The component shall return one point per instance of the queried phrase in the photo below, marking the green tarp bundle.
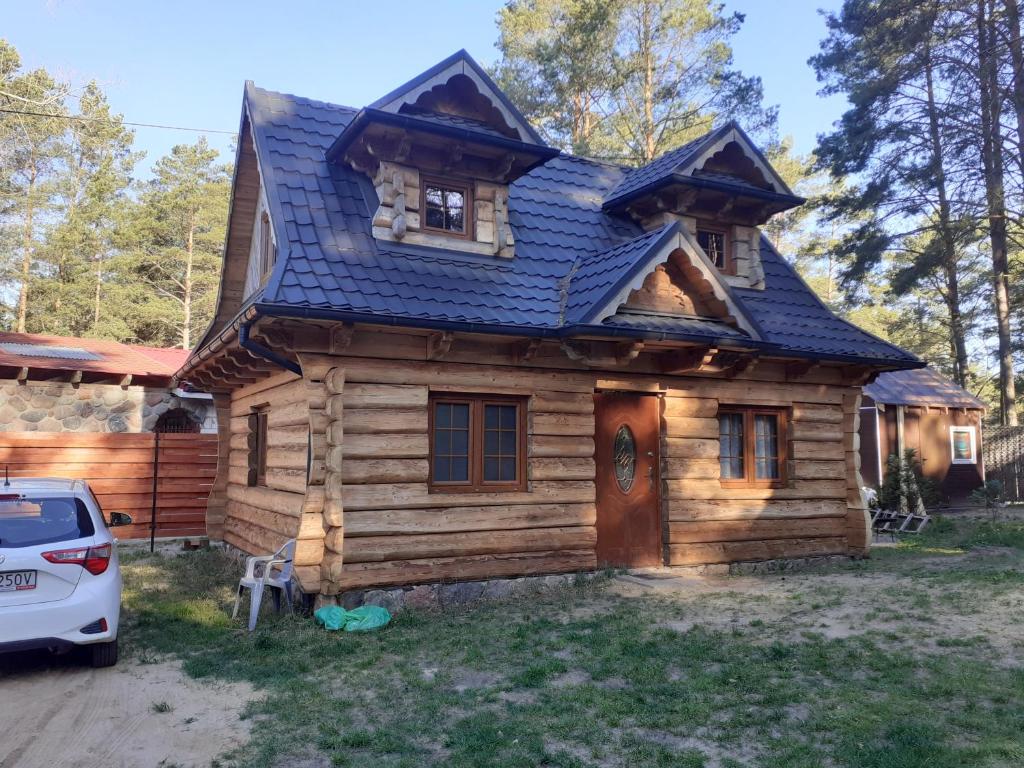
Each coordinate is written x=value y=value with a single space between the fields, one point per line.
x=361 y=619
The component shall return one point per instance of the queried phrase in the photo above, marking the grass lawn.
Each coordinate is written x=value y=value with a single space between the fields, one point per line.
x=914 y=658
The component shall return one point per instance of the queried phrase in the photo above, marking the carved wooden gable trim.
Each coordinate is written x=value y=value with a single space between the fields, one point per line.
x=673 y=279
x=667 y=290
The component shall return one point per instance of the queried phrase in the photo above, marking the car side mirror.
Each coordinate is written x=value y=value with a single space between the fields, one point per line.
x=120 y=518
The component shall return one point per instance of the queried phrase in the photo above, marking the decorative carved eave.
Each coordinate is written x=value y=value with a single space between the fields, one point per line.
x=375 y=136
x=800 y=368
x=686 y=360
x=439 y=344
x=603 y=354
x=459 y=80
x=706 y=360
x=709 y=200
x=527 y=350
x=701 y=276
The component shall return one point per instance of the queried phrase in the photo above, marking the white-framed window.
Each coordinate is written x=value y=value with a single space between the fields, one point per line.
x=963 y=445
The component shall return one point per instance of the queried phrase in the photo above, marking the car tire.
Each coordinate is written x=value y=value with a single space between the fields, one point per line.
x=104 y=654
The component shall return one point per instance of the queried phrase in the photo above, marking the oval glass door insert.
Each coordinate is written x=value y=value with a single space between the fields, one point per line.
x=624 y=452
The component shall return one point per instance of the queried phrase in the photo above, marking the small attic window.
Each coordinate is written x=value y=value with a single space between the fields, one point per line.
x=446 y=207
x=266 y=254
x=715 y=243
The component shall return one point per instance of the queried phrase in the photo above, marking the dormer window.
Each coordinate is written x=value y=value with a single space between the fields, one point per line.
x=446 y=207
x=715 y=243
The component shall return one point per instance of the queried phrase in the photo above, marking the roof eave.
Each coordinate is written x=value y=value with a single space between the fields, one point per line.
x=570 y=331
x=369 y=115
x=618 y=203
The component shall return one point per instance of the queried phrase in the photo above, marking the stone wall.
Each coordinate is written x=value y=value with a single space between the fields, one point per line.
x=42 y=406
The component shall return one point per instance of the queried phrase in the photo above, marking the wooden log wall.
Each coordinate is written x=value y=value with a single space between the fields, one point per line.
x=259 y=519
x=393 y=531
x=386 y=528
x=707 y=523
x=119 y=469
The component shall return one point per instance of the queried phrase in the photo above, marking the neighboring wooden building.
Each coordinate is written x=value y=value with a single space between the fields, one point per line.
x=446 y=351
x=90 y=409
x=922 y=410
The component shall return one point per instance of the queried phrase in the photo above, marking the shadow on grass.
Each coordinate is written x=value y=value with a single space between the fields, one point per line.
x=535 y=682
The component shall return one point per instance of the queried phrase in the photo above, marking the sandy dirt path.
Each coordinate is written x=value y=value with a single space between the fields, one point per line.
x=56 y=712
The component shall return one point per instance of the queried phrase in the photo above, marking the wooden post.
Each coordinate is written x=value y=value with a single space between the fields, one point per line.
x=156 y=472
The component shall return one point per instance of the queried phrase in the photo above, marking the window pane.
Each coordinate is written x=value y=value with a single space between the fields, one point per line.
x=491 y=442
x=962 y=445
x=500 y=424
x=491 y=414
x=451 y=442
x=460 y=442
x=508 y=442
x=492 y=470
x=442 y=468
x=508 y=469
x=460 y=415
x=445 y=208
x=766 y=446
x=443 y=415
x=730 y=439
x=713 y=244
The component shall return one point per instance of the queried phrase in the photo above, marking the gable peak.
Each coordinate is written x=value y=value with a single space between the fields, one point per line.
x=459 y=87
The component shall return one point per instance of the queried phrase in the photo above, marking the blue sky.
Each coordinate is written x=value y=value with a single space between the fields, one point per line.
x=184 y=63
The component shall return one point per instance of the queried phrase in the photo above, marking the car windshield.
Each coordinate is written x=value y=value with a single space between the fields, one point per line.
x=27 y=521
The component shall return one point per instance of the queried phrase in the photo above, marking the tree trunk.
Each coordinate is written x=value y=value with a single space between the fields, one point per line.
x=186 y=326
x=1017 y=59
x=949 y=255
x=992 y=162
x=646 y=51
x=96 y=296
x=27 y=249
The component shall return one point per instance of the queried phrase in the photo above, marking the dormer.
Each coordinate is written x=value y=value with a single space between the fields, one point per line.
x=721 y=188
x=441 y=151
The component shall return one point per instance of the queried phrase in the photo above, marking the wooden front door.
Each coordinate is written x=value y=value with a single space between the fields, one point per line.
x=628 y=518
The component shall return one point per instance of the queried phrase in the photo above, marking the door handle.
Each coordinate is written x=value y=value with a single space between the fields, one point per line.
x=650 y=477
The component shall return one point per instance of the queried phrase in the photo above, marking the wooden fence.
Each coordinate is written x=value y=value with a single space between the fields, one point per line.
x=1003 y=451
x=119 y=468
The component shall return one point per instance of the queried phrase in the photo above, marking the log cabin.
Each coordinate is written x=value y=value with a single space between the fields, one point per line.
x=447 y=351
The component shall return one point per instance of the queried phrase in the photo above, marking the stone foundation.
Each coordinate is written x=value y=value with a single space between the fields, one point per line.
x=44 y=406
x=455 y=593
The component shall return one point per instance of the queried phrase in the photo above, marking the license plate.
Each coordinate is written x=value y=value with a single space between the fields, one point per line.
x=15 y=581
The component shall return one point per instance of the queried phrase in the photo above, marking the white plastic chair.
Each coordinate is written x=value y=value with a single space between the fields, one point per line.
x=274 y=571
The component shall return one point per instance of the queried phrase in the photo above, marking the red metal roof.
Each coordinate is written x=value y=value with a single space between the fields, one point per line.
x=63 y=353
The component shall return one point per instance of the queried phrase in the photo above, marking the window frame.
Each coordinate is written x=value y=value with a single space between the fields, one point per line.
x=969 y=429
x=475 y=447
x=267 y=253
x=729 y=265
x=259 y=429
x=454 y=185
x=750 y=479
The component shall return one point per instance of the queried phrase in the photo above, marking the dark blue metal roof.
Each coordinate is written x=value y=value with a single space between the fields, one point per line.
x=329 y=264
x=659 y=170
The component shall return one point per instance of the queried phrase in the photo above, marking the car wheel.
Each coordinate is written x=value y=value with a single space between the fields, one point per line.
x=104 y=654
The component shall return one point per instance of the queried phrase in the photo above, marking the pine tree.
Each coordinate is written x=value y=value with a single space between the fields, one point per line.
x=629 y=79
x=30 y=147
x=174 y=243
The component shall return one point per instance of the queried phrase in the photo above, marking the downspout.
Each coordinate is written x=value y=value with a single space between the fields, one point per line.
x=246 y=343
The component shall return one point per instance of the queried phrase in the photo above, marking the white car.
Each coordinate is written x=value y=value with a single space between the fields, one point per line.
x=60 y=584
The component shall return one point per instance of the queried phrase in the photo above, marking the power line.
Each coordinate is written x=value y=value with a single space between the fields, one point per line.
x=83 y=119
